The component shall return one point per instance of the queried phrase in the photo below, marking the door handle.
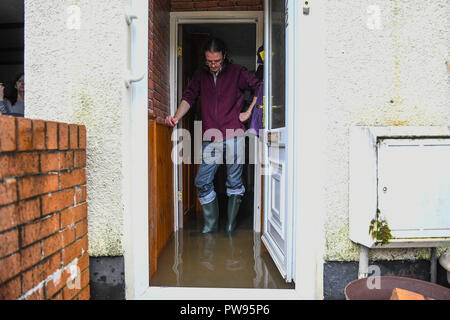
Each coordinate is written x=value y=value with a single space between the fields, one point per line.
x=129 y=17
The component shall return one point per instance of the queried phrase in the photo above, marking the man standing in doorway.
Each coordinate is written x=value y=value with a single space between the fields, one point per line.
x=221 y=86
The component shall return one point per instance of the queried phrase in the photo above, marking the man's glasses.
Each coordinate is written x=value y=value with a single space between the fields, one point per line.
x=213 y=62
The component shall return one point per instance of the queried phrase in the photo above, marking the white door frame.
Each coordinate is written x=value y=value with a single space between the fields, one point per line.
x=307 y=202
x=178 y=18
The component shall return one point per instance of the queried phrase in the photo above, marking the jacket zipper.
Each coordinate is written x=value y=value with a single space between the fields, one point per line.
x=217 y=99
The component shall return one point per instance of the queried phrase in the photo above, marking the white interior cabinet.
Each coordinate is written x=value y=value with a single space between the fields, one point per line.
x=405 y=173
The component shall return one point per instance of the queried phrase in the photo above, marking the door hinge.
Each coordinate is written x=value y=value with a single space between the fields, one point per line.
x=180 y=51
x=306 y=7
x=180 y=196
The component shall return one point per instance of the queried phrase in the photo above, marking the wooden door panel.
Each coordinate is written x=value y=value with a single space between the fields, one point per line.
x=161 y=202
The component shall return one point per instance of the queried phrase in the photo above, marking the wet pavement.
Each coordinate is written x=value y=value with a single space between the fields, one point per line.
x=192 y=259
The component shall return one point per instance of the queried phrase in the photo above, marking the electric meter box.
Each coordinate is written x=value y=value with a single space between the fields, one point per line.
x=404 y=172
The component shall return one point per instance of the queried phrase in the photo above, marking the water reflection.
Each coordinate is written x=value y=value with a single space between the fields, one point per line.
x=192 y=259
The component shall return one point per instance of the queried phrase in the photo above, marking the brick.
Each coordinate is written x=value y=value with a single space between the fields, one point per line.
x=56 y=161
x=50 y=161
x=24 y=134
x=52 y=244
x=227 y=3
x=68 y=293
x=80 y=212
x=7 y=133
x=81 y=228
x=249 y=2
x=11 y=290
x=18 y=164
x=30 y=256
x=9 y=242
x=51 y=135
x=37 y=185
x=28 y=211
x=37 y=294
x=75 y=285
x=58 y=296
x=179 y=6
x=84 y=278
x=85 y=294
x=68 y=236
x=74 y=250
x=8 y=191
x=83 y=262
x=8 y=217
x=58 y=282
x=206 y=4
x=41 y=272
x=41 y=229
x=53 y=286
x=80 y=158
x=72 y=178
x=57 y=201
x=73 y=136
x=67 y=217
x=16 y=214
x=82 y=137
x=63 y=136
x=9 y=267
x=80 y=194
x=38 y=134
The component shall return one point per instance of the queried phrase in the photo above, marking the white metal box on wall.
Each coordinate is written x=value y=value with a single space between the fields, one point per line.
x=405 y=173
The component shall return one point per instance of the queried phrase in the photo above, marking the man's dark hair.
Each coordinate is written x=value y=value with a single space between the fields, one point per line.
x=216 y=45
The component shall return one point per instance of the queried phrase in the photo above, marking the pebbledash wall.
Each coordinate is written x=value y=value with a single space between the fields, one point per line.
x=385 y=63
x=43 y=210
x=76 y=62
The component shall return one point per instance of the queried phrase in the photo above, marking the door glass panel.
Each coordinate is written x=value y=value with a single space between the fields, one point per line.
x=277 y=63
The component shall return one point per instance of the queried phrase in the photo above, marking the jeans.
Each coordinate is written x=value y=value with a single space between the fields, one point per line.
x=212 y=158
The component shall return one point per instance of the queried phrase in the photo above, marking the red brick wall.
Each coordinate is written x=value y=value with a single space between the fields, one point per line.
x=159 y=46
x=225 y=5
x=43 y=210
x=159 y=33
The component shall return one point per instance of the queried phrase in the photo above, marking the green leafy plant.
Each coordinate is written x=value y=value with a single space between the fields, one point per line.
x=379 y=230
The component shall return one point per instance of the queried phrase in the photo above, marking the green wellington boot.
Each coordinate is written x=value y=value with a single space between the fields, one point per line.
x=211 y=216
x=233 y=208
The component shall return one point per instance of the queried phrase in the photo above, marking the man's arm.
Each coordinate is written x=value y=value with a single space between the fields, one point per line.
x=244 y=116
x=183 y=108
x=190 y=95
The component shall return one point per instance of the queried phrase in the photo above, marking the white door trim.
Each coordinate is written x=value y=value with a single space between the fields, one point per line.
x=307 y=203
x=135 y=168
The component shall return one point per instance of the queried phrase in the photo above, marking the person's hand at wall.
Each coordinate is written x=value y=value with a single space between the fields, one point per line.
x=171 y=121
x=183 y=108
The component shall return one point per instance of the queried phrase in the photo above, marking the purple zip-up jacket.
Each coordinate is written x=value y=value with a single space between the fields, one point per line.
x=221 y=102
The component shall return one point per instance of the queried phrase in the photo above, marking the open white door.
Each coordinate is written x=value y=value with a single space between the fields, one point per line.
x=278 y=216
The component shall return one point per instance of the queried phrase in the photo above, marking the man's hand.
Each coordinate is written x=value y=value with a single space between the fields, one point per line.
x=171 y=121
x=244 y=116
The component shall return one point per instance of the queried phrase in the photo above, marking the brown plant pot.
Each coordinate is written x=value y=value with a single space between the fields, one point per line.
x=360 y=290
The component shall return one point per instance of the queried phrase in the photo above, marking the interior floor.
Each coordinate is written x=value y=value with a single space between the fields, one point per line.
x=192 y=259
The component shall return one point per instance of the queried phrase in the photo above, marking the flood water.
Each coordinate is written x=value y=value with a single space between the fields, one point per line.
x=192 y=259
